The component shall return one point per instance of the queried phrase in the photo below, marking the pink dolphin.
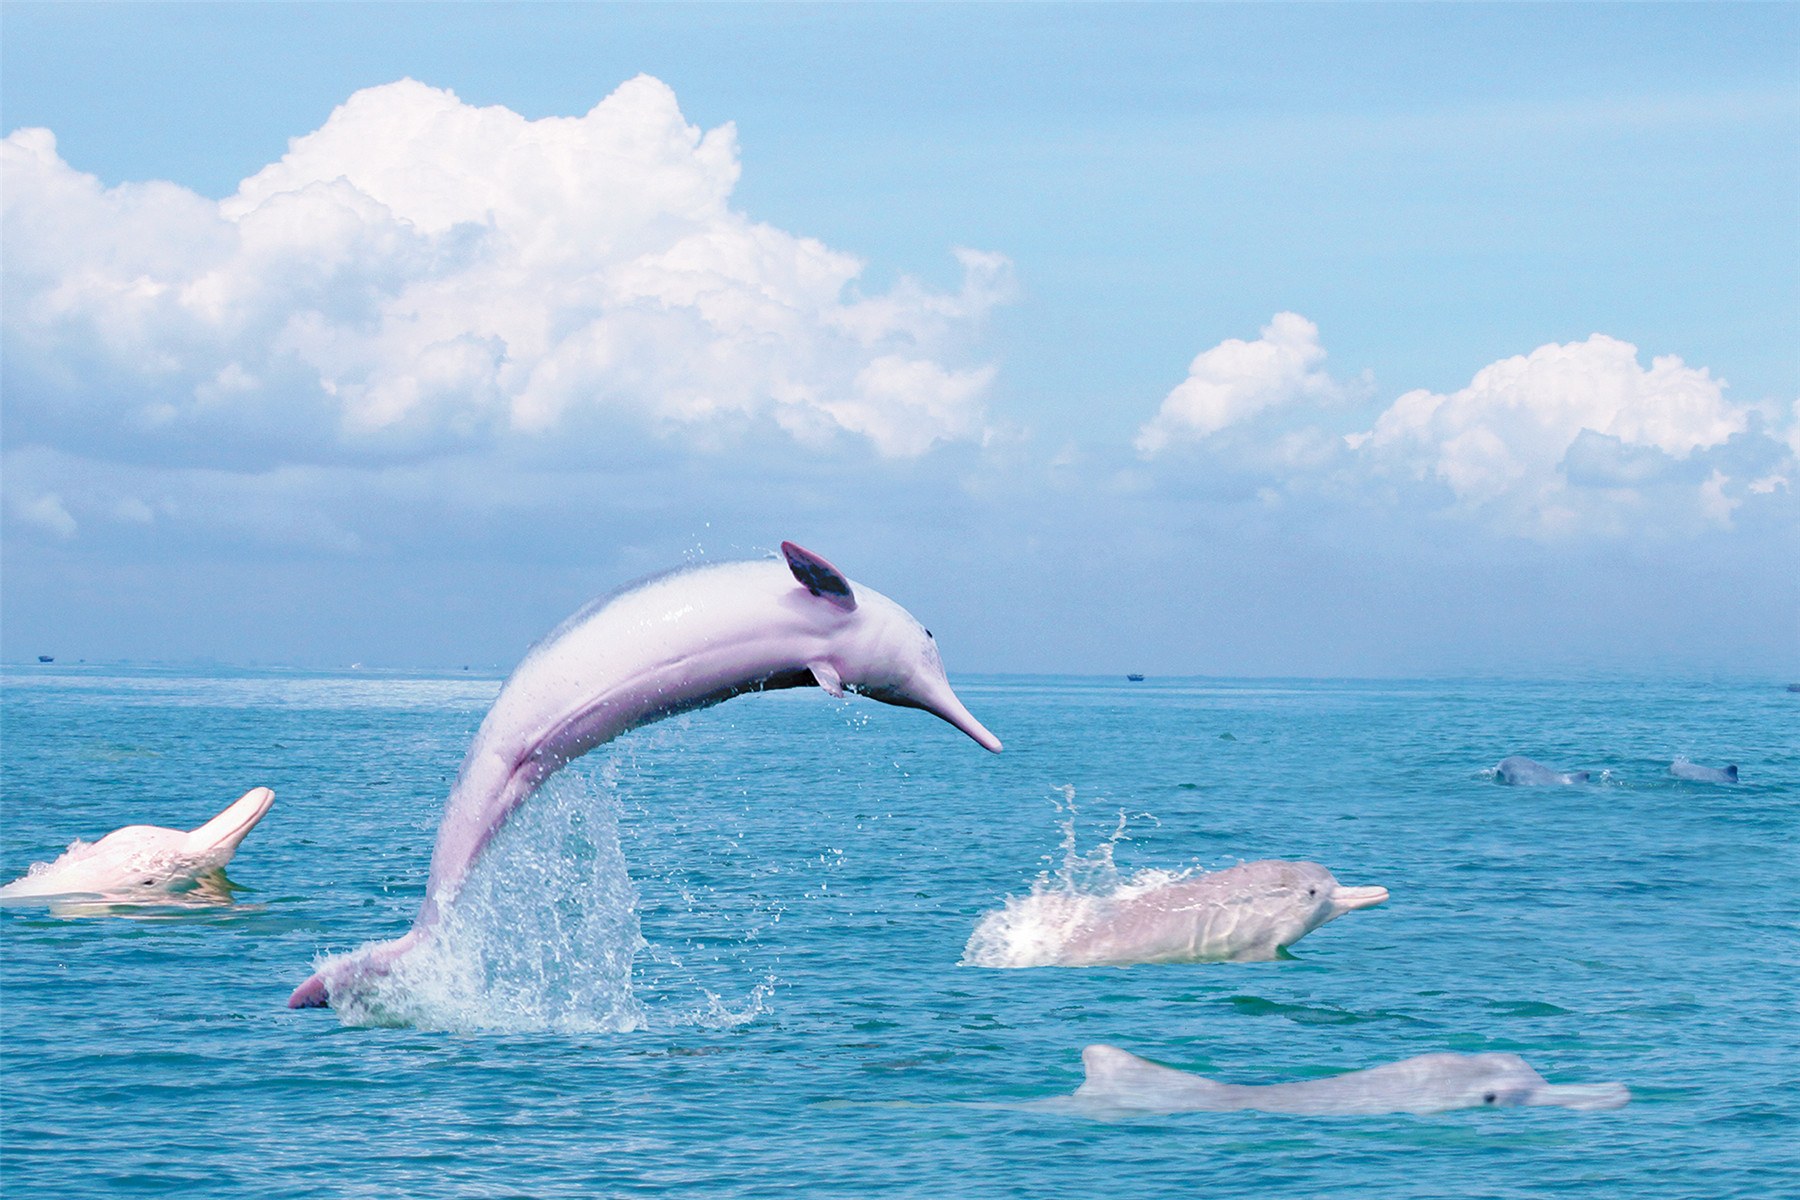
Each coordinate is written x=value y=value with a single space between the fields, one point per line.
x=144 y=862
x=670 y=644
x=1119 y=1081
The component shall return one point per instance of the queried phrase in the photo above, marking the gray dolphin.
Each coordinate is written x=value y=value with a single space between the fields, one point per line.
x=1521 y=770
x=667 y=645
x=1246 y=913
x=1118 y=1081
x=1695 y=773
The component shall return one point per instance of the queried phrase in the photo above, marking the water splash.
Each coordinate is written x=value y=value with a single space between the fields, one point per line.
x=544 y=935
x=1063 y=904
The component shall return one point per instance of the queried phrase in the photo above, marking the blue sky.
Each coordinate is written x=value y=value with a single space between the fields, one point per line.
x=1228 y=339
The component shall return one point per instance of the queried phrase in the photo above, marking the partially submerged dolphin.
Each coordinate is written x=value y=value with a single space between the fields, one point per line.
x=1520 y=770
x=1695 y=773
x=666 y=645
x=1246 y=913
x=144 y=863
x=1118 y=1081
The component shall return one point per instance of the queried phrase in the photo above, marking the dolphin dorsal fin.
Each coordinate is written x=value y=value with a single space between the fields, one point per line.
x=819 y=577
x=1119 y=1077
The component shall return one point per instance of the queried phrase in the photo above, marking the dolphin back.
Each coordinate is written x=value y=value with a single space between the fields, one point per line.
x=1117 y=1078
x=1695 y=773
x=1426 y=1084
x=1517 y=769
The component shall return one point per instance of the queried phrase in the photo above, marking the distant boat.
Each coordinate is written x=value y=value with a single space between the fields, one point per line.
x=1135 y=678
x=47 y=658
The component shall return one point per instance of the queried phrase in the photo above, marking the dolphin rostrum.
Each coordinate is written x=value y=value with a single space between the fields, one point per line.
x=1521 y=770
x=142 y=863
x=670 y=644
x=1246 y=913
x=1695 y=773
x=1118 y=1081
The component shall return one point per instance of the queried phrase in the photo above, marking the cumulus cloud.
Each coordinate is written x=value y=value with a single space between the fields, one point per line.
x=1236 y=381
x=419 y=277
x=1576 y=437
x=1568 y=440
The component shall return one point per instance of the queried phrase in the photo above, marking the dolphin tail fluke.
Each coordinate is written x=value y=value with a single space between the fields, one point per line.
x=310 y=994
x=348 y=972
x=230 y=827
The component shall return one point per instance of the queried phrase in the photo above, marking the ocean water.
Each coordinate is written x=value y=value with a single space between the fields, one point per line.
x=720 y=957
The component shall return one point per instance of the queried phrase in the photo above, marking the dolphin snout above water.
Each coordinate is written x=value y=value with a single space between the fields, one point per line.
x=1119 y=1081
x=670 y=644
x=1520 y=770
x=142 y=862
x=1247 y=913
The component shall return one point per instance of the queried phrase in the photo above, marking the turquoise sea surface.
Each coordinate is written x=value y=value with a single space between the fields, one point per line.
x=720 y=957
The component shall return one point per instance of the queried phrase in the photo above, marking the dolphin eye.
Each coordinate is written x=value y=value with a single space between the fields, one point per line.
x=1489 y=1098
x=1312 y=891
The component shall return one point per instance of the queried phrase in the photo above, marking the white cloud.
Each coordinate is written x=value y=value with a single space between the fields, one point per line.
x=420 y=276
x=1567 y=441
x=46 y=512
x=1565 y=438
x=1236 y=381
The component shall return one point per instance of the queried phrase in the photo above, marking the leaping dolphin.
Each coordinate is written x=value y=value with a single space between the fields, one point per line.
x=1518 y=769
x=1695 y=773
x=144 y=863
x=1118 y=1081
x=1246 y=913
x=670 y=644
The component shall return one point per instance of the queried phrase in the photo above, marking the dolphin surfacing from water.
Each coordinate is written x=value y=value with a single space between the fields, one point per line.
x=1695 y=773
x=145 y=863
x=1121 y=1082
x=1519 y=770
x=670 y=644
x=1246 y=913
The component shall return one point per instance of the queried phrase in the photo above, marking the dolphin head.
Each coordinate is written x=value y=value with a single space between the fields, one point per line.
x=1452 y=1081
x=1295 y=898
x=882 y=651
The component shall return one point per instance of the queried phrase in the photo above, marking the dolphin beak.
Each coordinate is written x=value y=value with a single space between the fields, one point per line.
x=1583 y=1097
x=232 y=826
x=1349 y=899
x=945 y=704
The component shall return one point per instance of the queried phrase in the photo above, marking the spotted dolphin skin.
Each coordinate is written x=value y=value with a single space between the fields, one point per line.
x=670 y=644
x=1695 y=773
x=146 y=863
x=1246 y=913
x=1121 y=1082
x=1527 y=772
